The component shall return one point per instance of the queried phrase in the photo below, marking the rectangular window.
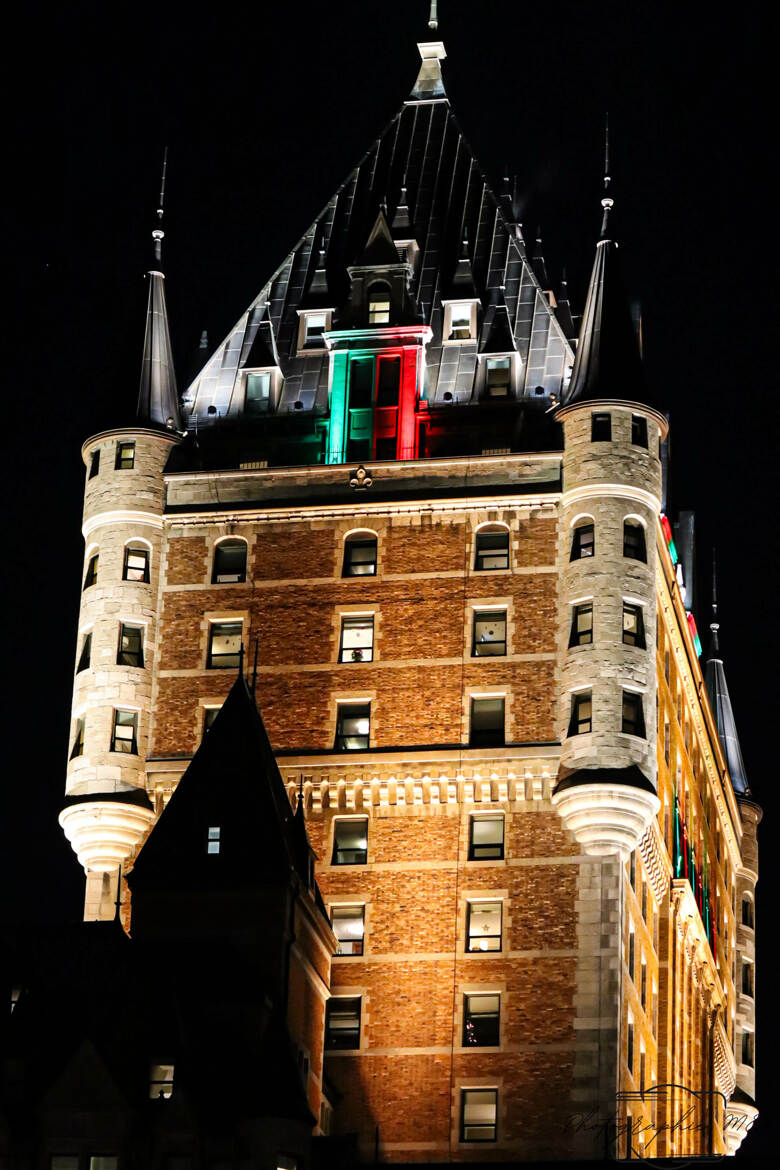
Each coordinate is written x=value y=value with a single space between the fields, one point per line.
x=316 y=324
x=213 y=839
x=103 y=1162
x=460 y=322
x=582 y=542
x=633 y=716
x=342 y=1023
x=160 y=1081
x=483 y=928
x=489 y=635
x=388 y=381
x=224 y=645
x=498 y=377
x=136 y=566
x=747 y=913
x=492 y=551
x=631 y=952
x=747 y=978
x=85 y=657
x=64 y=1162
x=124 y=734
x=353 y=727
x=360 y=557
x=643 y=985
x=357 y=639
x=209 y=715
x=634 y=541
x=630 y=1046
x=349 y=925
x=667 y=742
x=581 y=721
x=125 y=456
x=258 y=394
x=747 y=1049
x=581 y=625
x=90 y=577
x=94 y=463
x=229 y=562
x=478 y=1115
x=350 y=841
x=486 y=838
x=78 y=740
x=633 y=625
x=131 y=646
x=600 y=428
x=379 y=309
x=638 y=430
x=487 y=723
x=481 y=1021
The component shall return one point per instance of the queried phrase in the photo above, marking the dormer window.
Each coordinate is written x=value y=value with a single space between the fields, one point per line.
x=379 y=305
x=258 y=393
x=498 y=377
x=312 y=328
x=460 y=320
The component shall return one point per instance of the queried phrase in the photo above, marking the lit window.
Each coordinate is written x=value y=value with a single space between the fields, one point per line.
x=131 y=646
x=638 y=430
x=481 y=1021
x=600 y=428
x=747 y=913
x=213 y=839
x=316 y=324
x=633 y=716
x=64 y=1162
x=103 y=1162
x=136 y=566
x=489 y=637
x=460 y=322
x=747 y=978
x=90 y=577
x=123 y=736
x=16 y=995
x=125 y=456
x=209 y=715
x=580 y=722
x=360 y=556
x=229 y=562
x=582 y=542
x=582 y=625
x=633 y=625
x=747 y=1049
x=78 y=740
x=161 y=1081
x=492 y=550
x=486 y=838
x=498 y=376
x=350 y=841
x=86 y=653
x=342 y=1023
x=478 y=1115
x=94 y=463
x=379 y=305
x=258 y=394
x=483 y=930
x=349 y=924
x=224 y=645
x=357 y=639
x=353 y=723
x=634 y=541
x=487 y=723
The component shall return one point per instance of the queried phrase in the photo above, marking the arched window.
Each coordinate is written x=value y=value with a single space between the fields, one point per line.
x=747 y=913
x=583 y=543
x=491 y=549
x=229 y=562
x=360 y=555
x=136 y=563
x=634 y=540
x=379 y=304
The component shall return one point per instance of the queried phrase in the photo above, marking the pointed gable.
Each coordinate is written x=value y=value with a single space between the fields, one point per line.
x=380 y=251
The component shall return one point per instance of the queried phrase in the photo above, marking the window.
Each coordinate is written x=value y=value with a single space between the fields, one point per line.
x=633 y=716
x=209 y=715
x=581 y=721
x=94 y=463
x=342 y=1023
x=632 y=870
x=747 y=913
x=229 y=562
x=103 y=1162
x=638 y=430
x=633 y=625
x=489 y=636
x=160 y=1081
x=379 y=305
x=213 y=839
x=257 y=399
x=487 y=723
x=315 y=325
x=350 y=841
x=498 y=377
x=123 y=736
x=667 y=742
x=349 y=924
x=136 y=566
x=634 y=541
x=581 y=624
x=90 y=577
x=78 y=740
x=64 y=1162
x=481 y=1021
x=492 y=550
x=643 y=985
x=478 y=1115
x=131 y=646
x=483 y=929
x=357 y=639
x=486 y=838
x=353 y=724
x=747 y=978
x=747 y=1049
x=125 y=456
x=224 y=645
x=600 y=428
x=85 y=657
x=631 y=951
x=630 y=1046
x=582 y=542
x=360 y=556
x=460 y=322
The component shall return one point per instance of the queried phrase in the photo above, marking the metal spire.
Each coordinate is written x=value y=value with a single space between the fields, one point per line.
x=606 y=202
x=433 y=19
x=158 y=235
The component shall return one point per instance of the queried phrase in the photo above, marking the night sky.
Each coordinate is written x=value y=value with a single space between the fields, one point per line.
x=264 y=110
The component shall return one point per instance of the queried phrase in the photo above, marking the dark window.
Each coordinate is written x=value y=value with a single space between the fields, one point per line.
x=349 y=924
x=357 y=639
x=136 y=566
x=86 y=653
x=224 y=645
x=747 y=978
x=350 y=841
x=633 y=715
x=360 y=556
x=630 y=1047
x=388 y=382
x=486 y=838
x=229 y=562
x=634 y=541
x=600 y=428
x=361 y=383
x=213 y=839
x=478 y=1115
x=342 y=1023
x=747 y=913
x=492 y=550
x=131 y=646
x=581 y=625
x=353 y=724
x=631 y=952
x=487 y=723
x=125 y=456
x=258 y=394
x=123 y=736
x=481 y=1021
x=643 y=985
x=633 y=625
x=582 y=542
x=581 y=720
x=747 y=1049
x=209 y=715
x=498 y=377
x=483 y=928
x=94 y=463
x=78 y=740
x=638 y=430
x=90 y=577
x=489 y=635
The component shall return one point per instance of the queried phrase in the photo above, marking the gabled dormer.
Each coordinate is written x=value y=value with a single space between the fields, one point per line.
x=499 y=363
x=379 y=291
x=402 y=231
x=260 y=379
x=461 y=306
x=315 y=310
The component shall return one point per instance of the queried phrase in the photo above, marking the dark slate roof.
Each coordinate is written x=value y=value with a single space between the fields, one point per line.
x=720 y=701
x=631 y=776
x=566 y=319
x=380 y=249
x=158 y=399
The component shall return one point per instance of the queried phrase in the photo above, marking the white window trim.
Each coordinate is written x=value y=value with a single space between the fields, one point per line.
x=303 y=316
x=448 y=306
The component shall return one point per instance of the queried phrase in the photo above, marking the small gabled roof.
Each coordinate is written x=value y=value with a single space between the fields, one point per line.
x=463 y=279
x=380 y=251
x=158 y=398
x=401 y=223
x=262 y=352
x=497 y=335
x=563 y=312
x=538 y=263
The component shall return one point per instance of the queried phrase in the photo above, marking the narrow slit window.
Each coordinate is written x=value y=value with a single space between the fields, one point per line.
x=581 y=625
x=94 y=464
x=486 y=838
x=634 y=541
x=85 y=657
x=483 y=930
x=90 y=577
x=600 y=428
x=131 y=646
x=124 y=737
x=492 y=551
x=638 y=430
x=582 y=542
x=489 y=634
x=136 y=566
x=213 y=839
x=229 y=562
x=478 y=1115
x=747 y=913
x=481 y=1021
x=224 y=645
x=125 y=457
x=350 y=841
x=353 y=727
x=747 y=978
x=209 y=715
x=360 y=557
x=78 y=740
x=581 y=721
x=349 y=925
x=747 y=1049
x=487 y=722
x=633 y=722
x=633 y=625
x=342 y=1023
x=357 y=639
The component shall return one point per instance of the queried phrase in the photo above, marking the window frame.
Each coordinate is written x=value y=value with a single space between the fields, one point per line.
x=354 y=1032
x=337 y=851
x=162 y=1080
x=576 y=718
x=576 y=635
x=498 y=615
x=85 y=657
x=358 y=709
x=132 y=740
x=77 y=748
x=91 y=574
x=213 y=840
x=312 y=342
x=637 y=726
x=471 y=904
x=136 y=550
x=487 y=737
x=639 y=437
x=449 y=306
x=600 y=421
x=234 y=543
x=355 y=654
x=126 y=628
x=254 y=406
x=492 y=391
x=637 y=638
x=380 y=317
x=474 y=846
x=124 y=457
x=235 y=657
x=480 y=555
x=357 y=945
x=94 y=463
x=357 y=540
x=634 y=547
x=469 y=1017
x=493 y=1135
x=579 y=546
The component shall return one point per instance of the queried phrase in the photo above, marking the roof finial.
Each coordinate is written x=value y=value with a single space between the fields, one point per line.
x=606 y=201
x=433 y=19
x=714 y=624
x=158 y=234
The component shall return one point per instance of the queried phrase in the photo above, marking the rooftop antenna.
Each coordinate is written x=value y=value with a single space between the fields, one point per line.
x=158 y=235
x=714 y=624
x=433 y=19
x=606 y=202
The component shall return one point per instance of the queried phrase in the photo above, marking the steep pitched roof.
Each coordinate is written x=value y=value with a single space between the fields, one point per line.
x=720 y=701
x=158 y=399
x=380 y=249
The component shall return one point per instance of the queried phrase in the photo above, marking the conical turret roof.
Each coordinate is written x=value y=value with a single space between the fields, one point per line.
x=720 y=701
x=158 y=399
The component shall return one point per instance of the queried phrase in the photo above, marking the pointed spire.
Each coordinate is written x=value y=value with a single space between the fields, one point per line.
x=433 y=19
x=429 y=85
x=563 y=311
x=607 y=202
x=714 y=624
x=380 y=250
x=720 y=701
x=401 y=223
x=463 y=279
x=158 y=399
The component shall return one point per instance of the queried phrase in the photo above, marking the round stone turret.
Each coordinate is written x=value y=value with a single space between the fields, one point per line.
x=741 y=1110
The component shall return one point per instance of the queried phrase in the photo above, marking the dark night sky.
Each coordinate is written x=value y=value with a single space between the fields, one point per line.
x=265 y=109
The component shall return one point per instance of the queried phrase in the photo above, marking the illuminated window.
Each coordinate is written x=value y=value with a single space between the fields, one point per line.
x=16 y=995
x=747 y=1049
x=353 y=724
x=634 y=541
x=94 y=463
x=90 y=577
x=350 y=841
x=125 y=456
x=633 y=625
x=213 y=839
x=78 y=740
x=638 y=430
x=483 y=928
x=487 y=722
x=489 y=634
x=161 y=1081
x=486 y=837
x=379 y=305
x=349 y=924
x=581 y=720
x=316 y=324
x=342 y=1023
x=125 y=731
x=492 y=550
x=582 y=542
x=64 y=1162
x=481 y=1021
x=136 y=566
x=581 y=625
x=747 y=978
x=747 y=913
x=357 y=639
x=633 y=722
x=85 y=657
x=460 y=322
x=131 y=646
x=103 y=1162
x=224 y=645
x=478 y=1115
x=229 y=562
x=360 y=556
x=257 y=399
x=498 y=377
x=600 y=428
